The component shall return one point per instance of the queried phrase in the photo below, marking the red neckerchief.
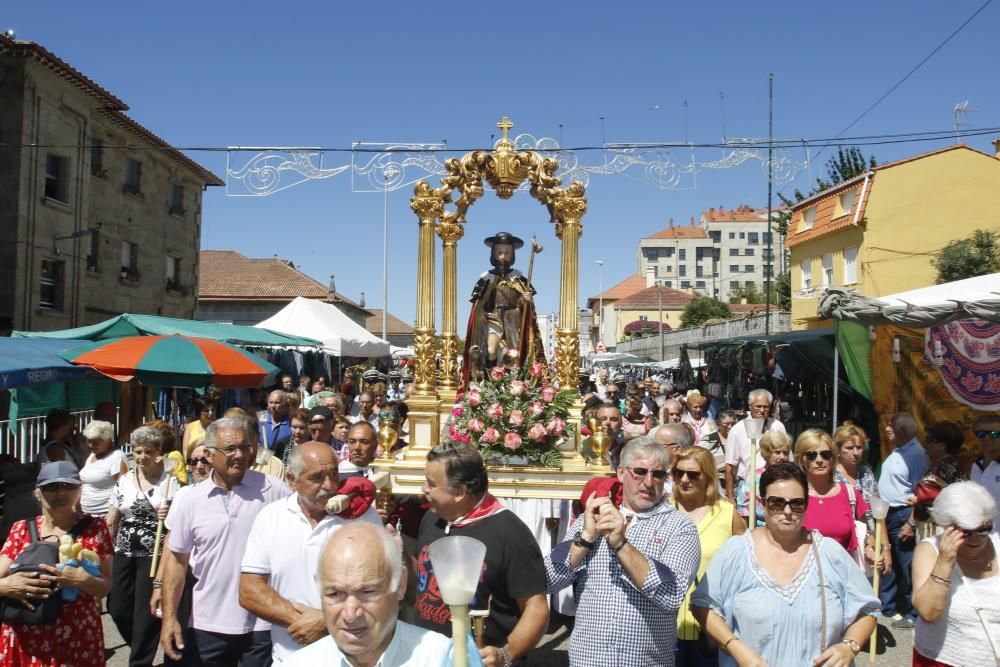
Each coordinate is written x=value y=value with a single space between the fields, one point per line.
x=487 y=506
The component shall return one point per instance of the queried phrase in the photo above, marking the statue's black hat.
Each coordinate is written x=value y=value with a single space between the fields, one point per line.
x=504 y=237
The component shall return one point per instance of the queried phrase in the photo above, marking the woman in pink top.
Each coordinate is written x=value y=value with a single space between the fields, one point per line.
x=831 y=509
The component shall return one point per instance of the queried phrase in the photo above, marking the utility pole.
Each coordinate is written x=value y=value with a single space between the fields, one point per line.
x=769 y=261
x=659 y=292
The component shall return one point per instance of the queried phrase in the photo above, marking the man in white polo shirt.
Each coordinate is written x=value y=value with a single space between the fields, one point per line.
x=738 y=463
x=279 y=567
x=986 y=470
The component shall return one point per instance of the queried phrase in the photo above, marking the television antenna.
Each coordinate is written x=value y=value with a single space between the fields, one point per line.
x=961 y=109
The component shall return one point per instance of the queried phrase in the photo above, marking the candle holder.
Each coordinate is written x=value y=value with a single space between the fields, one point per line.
x=458 y=563
x=880 y=510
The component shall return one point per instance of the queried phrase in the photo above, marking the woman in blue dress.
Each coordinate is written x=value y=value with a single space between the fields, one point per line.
x=780 y=595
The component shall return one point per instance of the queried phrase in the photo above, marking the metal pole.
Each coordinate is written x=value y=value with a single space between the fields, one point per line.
x=385 y=252
x=659 y=294
x=836 y=384
x=600 y=293
x=769 y=262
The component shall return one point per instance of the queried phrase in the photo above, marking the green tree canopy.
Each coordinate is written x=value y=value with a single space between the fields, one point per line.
x=968 y=258
x=703 y=308
x=751 y=294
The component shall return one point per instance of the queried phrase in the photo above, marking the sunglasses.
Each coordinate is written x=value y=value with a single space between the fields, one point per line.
x=982 y=531
x=993 y=435
x=59 y=486
x=693 y=475
x=777 y=504
x=826 y=455
x=204 y=460
x=640 y=473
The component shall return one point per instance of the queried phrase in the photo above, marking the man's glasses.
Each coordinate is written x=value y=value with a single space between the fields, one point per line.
x=232 y=449
x=992 y=435
x=693 y=475
x=982 y=531
x=640 y=473
x=204 y=460
x=826 y=455
x=777 y=504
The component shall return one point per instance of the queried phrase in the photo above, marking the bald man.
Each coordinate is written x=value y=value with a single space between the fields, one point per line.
x=283 y=550
x=361 y=582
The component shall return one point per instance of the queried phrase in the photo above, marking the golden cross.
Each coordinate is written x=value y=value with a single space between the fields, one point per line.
x=505 y=126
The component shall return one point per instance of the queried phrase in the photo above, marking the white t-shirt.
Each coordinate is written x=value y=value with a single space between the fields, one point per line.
x=410 y=647
x=738 y=445
x=99 y=477
x=988 y=478
x=284 y=546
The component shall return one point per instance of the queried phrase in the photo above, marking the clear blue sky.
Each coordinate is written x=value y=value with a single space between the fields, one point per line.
x=330 y=73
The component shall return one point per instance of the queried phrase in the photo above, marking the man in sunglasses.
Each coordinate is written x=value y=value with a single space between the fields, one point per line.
x=644 y=540
x=986 y=470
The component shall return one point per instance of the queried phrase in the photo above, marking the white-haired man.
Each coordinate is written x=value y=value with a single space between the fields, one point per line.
x=738 y=464
x=283 y=550
x=361 y=582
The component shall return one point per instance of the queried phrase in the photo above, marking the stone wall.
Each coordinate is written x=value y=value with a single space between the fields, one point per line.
x=735 y=328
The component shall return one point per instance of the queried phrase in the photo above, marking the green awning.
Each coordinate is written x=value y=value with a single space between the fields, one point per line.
x=153 y=325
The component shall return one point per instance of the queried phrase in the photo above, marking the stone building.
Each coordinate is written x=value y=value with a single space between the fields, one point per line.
x=398 y=332
x=98 y=215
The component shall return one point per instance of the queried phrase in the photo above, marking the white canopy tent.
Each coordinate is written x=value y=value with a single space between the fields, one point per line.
x=340 y=335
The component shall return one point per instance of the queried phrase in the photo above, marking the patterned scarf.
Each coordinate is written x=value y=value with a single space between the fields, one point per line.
x=487 y=506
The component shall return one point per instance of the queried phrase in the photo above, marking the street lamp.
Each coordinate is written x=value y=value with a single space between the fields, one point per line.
x=600 y=296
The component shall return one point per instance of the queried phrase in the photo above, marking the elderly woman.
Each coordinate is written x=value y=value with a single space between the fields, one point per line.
x=634 y=423
x=782 y=595
x=956 y=584
x=194 y=432
x=76 y=637
x=833 y=507
x=849 y=440
x=696 y=494
x=775 y=447
x=133 y=519
x=695 y=416
x=101 y=470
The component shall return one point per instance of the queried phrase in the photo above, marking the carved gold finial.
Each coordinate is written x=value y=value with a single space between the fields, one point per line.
x=505 y=125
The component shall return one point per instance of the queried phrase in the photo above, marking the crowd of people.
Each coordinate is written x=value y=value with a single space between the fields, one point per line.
x=717 y=540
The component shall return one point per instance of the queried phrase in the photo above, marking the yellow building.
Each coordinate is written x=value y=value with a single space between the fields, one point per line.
x=879 y=232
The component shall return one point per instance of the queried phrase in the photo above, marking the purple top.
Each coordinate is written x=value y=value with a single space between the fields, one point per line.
x=213 y=526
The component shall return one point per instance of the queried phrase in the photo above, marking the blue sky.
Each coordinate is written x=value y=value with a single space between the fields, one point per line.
x=331 y=73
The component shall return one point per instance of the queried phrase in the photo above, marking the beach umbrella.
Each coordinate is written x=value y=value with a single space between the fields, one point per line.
x=173 y=361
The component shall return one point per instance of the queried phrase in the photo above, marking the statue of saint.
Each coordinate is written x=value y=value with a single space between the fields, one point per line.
x=503 y=329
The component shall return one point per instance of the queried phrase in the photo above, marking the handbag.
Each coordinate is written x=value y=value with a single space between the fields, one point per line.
x=860 y=532
x=38 y=552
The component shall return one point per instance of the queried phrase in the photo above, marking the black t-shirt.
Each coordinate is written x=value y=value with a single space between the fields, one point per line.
x=513 y=569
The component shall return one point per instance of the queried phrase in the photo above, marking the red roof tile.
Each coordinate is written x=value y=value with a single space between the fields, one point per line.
x=742 y=213
x=393 y=324
x=649 y=298
x=673 y=232
x=625 y=288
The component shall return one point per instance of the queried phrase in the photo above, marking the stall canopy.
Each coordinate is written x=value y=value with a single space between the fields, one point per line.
x=340 y=335
x=26 y=362
x=151 y=325
x=929 y=306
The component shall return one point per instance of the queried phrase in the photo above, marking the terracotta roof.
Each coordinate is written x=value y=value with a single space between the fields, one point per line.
x=742 y=213
x=108 y=104
x=393 y=324
x=649 y=298
x=226 y=275
x=680 y=232
x=625 y=288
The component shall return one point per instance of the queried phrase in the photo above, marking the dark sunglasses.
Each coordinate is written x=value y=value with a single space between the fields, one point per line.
x=993 y=435
x=204 y=460
x=658 y=475
x=826 y=455
x=982 y=531
x=693 y=475
x=777 y=504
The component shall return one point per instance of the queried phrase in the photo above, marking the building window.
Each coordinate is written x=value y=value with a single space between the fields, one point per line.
x=177 y=199
x=57 y=178
x=845 y=202
x=767 y=254
x=768 y=271
x=699 y=284
x=682 y=270
x=715 y=236
x=669 y=268
x=752 y=238
x=130 y=261
x=699 y=253
x=173 y=273
x=750 y=284
x=643 y=318
x=668 y=283
x=850 y=266
x=732 y=235
x=743 y=235
x=748 y=252
x=807 y=276
x=685 y=284
x=767 y=238
x=698 y=272
x=94 y=251
x=50 y=293
x=734 y=268
x=667 y=252
x=734 y=252
x=808 y=217
x=97 y=158
x=650 y=254
x=734 y=284
x=827 y=269
x=681 y=254
x=133 y=176
x=749 y=268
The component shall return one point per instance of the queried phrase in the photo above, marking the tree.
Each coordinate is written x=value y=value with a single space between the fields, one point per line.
x=782 y=287
x=968 y=258
x=844 y=166
x=751 y=294
x=703 y=308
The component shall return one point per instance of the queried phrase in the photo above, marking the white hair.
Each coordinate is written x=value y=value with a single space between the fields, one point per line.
x=964 y=504
x=225 y=423
x=391 y=551
x=636 y=448
x=757 y=393
x=681 y=434
x=146 y=435
x=99 y=430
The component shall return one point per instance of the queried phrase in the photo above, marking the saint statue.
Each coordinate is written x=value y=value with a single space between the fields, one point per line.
x=503 y=329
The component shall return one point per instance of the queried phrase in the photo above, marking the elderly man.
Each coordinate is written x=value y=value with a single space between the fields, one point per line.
x=359 y=450
x=361 y=583
x=512 y=584
x=284 y=547
x=986 y=470
x=672 y=411
x=901 y=471
x=601 y=383
x=610 y=417
x=630 y=567
x=321 y=425
x=366 y=409
x=210 y=525
x=275 y=431
x=738 y=443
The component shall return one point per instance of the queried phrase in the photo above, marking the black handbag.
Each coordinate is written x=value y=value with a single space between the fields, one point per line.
x=38 y=552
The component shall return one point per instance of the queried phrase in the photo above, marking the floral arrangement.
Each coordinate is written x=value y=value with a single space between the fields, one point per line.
x=514 y=416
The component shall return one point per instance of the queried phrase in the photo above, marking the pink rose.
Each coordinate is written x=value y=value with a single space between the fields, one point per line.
x=489 y=436
x=517 y=387
x=495 y=411
x=536 y=409
x=512 y=441
x=548 y=394
x=556 y=426
x=473 y=397
x=498 y=372
x=516 y=418
x=538 y=433
x=476 y=425
x=536 y=369
x=457 y=411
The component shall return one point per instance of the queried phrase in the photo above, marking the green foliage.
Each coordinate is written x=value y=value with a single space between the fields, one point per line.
x=703 y=308
x=782 y=286
x=844 y=166
x=968 y=258
x=751 y=294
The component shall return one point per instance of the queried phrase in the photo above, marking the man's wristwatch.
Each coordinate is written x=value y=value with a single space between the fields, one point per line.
x=505 y=656
x=580 y=542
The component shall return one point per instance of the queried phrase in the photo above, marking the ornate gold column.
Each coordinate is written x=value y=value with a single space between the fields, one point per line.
x=569 y=209
x=450 y=233
x=424 y=421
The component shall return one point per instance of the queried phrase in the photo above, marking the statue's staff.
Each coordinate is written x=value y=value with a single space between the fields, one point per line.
x=535 y=249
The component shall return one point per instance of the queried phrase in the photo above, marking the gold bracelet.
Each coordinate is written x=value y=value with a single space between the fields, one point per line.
x=725 y=647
